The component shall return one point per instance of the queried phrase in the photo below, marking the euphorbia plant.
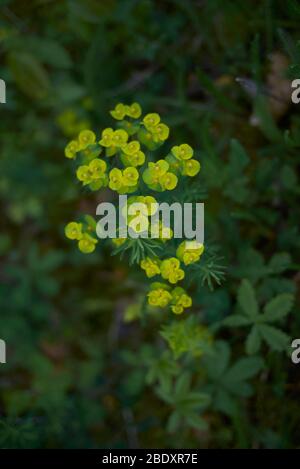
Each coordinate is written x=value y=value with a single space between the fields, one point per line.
x=124 y=160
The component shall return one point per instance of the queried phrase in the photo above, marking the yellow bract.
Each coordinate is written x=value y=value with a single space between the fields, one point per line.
x=73 y=230
x=122 y=110
x=119 y=112
x=107 y=137
x=131 y=148
x=122 y=180
x=87 y=244
x=120 y=137
x=180 y=300
x=130 y=176
x=168 y=181
x=151 y=120
x=159 y=297
x=189 y=252
x=115 y=179
x=191 y=167
x=170 y=270
x=71 y=149
x=183 y=152
x=94 y=171
x=151 y=267
x=86 y=138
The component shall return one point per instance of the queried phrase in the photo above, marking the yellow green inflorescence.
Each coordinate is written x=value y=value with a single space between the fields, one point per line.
x=122 y=159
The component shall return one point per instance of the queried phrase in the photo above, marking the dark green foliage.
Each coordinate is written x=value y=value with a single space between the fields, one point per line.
x=89 y=364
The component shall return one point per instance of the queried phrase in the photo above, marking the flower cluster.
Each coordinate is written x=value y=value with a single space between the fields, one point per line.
x=120 y=159
x=123 y=110
x=169 y=269
x=151 y=266
x=158 y=178
x=189 y=252
x=161 y=295
x=123 y=182
x=93 y=174
x=85 y=138
x=86 y=242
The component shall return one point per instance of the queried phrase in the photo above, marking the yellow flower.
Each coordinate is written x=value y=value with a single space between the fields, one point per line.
x=151 y=120
x=134 y=110
x=71 y=149
x=168 y=181
x=115 y=179
x=151 y=267
x=84 y=175
x=183 y=152
x=155 y=171
x=87 y=244
x=107 y=137
x=138 y=159
x=176 y=275
x=189 y=252
x=93 y=174
x=119 y=112
x=130 y=176
x=86 y=138
x=97 y=168
x=159 y=297
x=177 y=309
x=120 y=137
x=170 y=270
x=131 y=148
x=180 y=300
x=160 y=132
x=191 y=167
x=73 y=230
x=185 y=301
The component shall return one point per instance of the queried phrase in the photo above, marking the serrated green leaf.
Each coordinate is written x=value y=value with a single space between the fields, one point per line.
x=236 y=320
x=253 y=341
x=278 y=307
x=274 y=337
x=182 y=384
x=217 y=363
x=279 y=262
x=197 y=422
x=247 y=299
x=244 y=369
x=225 y=402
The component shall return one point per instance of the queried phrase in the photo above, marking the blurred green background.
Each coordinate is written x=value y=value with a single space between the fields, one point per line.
x=83 y=370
